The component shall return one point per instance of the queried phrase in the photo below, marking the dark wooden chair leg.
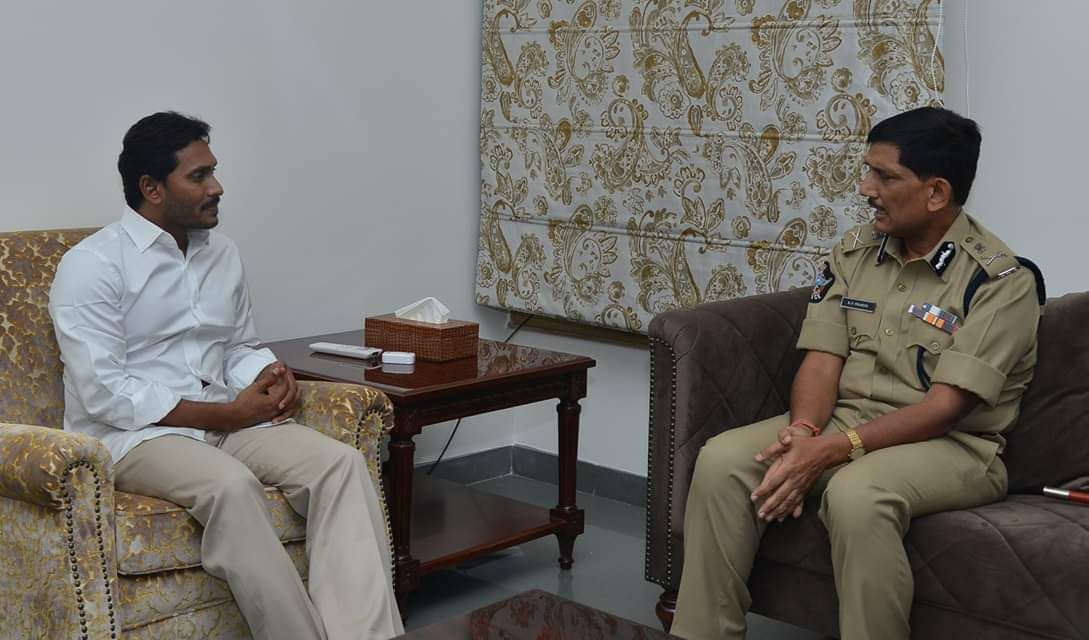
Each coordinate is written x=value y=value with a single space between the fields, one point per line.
x=667 y=606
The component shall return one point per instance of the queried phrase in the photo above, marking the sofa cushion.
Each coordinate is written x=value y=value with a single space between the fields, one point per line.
x=156 y=535
x=1013 y=563
x=1049 y=444
x=148 y=601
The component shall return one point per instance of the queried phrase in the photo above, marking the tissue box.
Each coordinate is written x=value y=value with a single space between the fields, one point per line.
x=440 y=342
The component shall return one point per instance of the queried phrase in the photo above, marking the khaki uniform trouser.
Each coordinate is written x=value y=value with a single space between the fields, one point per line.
x=219 y=482
x=866 y=505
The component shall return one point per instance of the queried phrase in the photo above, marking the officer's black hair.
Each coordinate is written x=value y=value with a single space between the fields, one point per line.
x=150 y=148
x=934 y=143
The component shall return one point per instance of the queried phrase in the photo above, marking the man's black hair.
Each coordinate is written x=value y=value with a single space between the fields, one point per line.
x=150 y=149
x=934 y=143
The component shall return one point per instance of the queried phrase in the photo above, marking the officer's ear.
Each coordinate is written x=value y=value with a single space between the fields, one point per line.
x=940 y=194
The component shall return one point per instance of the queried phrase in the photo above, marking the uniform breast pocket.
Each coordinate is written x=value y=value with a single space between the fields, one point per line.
x=926 y=343
x=862 y=330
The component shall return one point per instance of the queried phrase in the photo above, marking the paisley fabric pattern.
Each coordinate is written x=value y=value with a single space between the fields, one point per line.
x=643 y=155
x=64 y=533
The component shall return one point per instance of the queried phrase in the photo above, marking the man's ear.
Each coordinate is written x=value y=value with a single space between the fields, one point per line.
x=941 y=194
x=151 y=189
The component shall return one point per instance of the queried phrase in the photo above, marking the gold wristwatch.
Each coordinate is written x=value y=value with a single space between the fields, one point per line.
x=857 y=450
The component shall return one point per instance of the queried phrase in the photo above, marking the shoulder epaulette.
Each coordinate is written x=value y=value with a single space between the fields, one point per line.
x=993 y=256
x=860 y=237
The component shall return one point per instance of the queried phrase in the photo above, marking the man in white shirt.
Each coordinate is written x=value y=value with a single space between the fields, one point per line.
x=160 y=363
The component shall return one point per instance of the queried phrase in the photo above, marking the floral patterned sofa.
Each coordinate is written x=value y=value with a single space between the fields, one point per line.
x=79 y=559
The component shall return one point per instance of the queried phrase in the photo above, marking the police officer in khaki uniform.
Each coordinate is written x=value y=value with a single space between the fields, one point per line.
x=899 y=405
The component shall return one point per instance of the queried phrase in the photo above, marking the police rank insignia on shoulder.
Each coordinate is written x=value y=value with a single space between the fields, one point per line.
x=940 y=261
x=824 y=282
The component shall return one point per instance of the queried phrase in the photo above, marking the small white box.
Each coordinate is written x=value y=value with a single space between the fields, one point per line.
x=398 y=357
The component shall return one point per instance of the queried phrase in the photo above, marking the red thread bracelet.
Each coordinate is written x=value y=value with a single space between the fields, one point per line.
x=813 y=429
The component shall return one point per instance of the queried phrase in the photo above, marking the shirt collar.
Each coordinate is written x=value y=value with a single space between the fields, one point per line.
x=144 y=232
x=945 y=252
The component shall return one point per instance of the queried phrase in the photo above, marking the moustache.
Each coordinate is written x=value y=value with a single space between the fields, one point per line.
x=873 y=203
x=211 y=203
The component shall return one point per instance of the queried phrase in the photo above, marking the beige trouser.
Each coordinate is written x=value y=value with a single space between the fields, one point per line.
x=866 y=506
x=220 y=483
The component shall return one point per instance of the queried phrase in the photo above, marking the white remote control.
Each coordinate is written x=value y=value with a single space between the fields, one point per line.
x=347 y=350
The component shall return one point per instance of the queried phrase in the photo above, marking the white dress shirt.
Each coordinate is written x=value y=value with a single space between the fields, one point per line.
x=142 y=326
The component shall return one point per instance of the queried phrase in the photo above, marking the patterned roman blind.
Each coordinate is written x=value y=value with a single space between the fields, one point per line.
x=643 y=155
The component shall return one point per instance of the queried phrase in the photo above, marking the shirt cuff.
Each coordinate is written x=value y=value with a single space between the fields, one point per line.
x=245 y=371
x=151 y=404
x=821 y=335
x=971 y=374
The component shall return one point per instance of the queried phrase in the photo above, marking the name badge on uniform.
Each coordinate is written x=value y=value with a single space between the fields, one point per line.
x=935 y=316
x=858 y=305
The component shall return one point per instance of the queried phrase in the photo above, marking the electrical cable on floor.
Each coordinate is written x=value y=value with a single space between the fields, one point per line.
x=458 y=423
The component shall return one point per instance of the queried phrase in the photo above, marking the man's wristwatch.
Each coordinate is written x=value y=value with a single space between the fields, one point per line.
x=857 y=450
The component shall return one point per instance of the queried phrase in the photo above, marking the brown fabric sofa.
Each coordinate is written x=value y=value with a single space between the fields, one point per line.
x=79 y=559
x=1013 y=569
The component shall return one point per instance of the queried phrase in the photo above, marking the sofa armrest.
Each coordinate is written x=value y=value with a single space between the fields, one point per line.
x=35 y=462
x=714 y=367
x=58 y=577
x=353 y=414
x=356 y=415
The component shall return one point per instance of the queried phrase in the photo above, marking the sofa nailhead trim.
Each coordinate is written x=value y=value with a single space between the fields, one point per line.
x=356 y=437
x=650 y=458
x=70 y=536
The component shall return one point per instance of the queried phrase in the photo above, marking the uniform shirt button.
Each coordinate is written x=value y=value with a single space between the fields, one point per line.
x=935 y=346
x=969 y=239
x=854 y=331
x=901 y=287
x=890 y=332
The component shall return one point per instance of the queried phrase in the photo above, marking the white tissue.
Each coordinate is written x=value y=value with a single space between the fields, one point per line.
x=427 y=310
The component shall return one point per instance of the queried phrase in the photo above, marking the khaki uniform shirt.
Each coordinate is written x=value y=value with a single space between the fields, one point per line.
x=859 y=310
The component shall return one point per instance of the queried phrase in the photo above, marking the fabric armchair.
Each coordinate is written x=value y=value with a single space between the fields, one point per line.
x=79 y=559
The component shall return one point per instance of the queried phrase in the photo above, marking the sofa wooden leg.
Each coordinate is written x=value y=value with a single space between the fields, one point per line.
x=667 y=606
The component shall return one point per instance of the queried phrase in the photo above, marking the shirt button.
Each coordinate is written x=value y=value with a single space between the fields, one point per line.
x=890 y=332
x=969 y=239
x=854 y=331
x=935 y=346
x=901 y=287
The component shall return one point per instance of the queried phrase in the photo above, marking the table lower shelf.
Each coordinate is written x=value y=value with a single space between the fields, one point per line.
x=452 y=523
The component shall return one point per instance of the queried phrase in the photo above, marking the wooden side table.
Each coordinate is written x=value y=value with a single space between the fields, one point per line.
x=438 y=524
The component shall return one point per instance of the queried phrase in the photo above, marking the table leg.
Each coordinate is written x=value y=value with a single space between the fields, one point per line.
x=566 y=510
x=402 y=451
